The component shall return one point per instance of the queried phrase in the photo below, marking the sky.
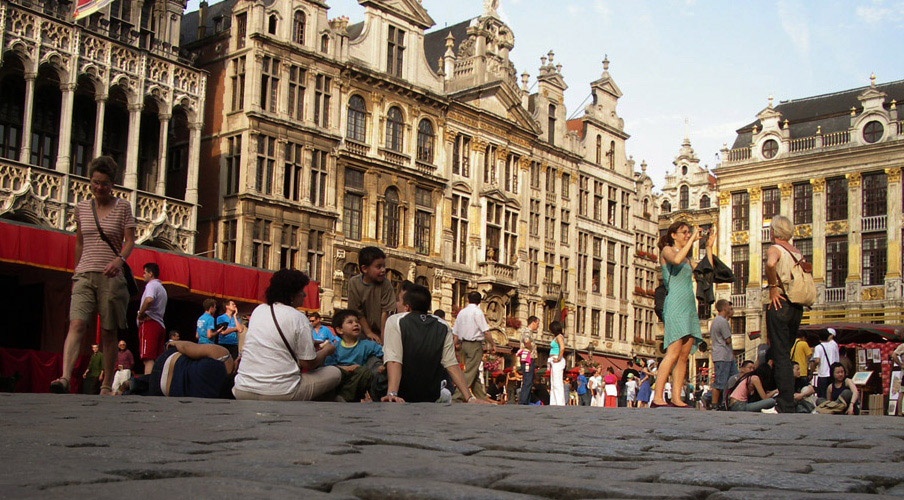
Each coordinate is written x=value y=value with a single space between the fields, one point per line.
x=694 y=67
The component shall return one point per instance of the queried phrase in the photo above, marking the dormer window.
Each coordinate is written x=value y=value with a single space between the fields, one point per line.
x=684 y=170
x=272 y=24
x=770 y=149
x=241 y=27
x=325 y=43
x=872 y=132
x=298 y=28
x=395 y=51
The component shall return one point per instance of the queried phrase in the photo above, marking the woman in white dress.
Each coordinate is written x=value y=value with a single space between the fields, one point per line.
x=556 y=364
x=596 y=387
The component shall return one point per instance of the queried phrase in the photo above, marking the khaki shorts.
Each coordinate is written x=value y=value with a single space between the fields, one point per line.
x=92 y=291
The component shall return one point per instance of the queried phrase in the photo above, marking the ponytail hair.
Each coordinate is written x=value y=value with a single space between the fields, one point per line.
x=666 y=240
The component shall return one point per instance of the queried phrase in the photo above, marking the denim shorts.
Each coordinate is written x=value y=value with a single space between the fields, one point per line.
x=723 y=371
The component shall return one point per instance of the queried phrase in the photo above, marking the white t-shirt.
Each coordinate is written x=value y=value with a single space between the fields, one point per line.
x=597 y=383
x=631 y=387
x=267 y=368
x=827 y=353
x=470 y=324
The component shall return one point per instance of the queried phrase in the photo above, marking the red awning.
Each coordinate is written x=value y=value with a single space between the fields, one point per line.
x=617 y=364
x=54 y=249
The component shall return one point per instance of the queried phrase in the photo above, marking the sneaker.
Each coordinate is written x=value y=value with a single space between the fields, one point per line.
x=769 y=410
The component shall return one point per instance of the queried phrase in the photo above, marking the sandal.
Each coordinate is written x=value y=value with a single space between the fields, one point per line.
x=106 y=390
x=59 y=387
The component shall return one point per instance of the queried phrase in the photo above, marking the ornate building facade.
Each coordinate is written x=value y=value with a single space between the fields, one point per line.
x=113 y=84
x=325 y=137
x=832 y=163
x=647 y=327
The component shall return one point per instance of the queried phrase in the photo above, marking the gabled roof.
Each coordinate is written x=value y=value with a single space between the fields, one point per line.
x=829 y=112
x=435 y=42
x=354 y=30
x=409 y=10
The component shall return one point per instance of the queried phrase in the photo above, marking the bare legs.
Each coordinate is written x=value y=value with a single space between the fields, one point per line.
x=71 y=348
x=675 y=359
x=148 y=366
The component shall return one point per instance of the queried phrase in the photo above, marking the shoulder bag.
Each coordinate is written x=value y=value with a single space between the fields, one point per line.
x=802 y=289
x=131 y=285
x=288 y=346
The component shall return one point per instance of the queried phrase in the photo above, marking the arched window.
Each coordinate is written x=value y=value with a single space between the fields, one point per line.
x=391 y=218
x=298 y=27
x=666 y=207
x=599 y=150
x=425 y=139
x=551 y=124
x=271 y=25
x=704 y=201
x=356 y=129
x=12 y=102
x=646 y=207
x=394 y=129
x=422 y=280
x=683 y=198
x=325 y=43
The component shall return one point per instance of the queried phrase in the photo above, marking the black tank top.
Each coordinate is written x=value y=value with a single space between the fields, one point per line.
x=836 y=391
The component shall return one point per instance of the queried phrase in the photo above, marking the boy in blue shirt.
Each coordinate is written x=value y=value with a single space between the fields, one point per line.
x=229 y=337
x=583 y=394
x=351 y=356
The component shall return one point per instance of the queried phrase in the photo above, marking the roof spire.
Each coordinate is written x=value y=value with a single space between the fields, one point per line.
x=606 y=62
x=872 y=80
x=770 y=101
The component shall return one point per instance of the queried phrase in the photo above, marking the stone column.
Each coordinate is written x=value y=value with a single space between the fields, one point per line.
x=893 y=267
x=194 y=151
x=99 y=125
x=162 y=154
x=65 y=142
x=25 y=151
x=855 y=204
x=786 y=207
x=756 y=236
x=723 y=246
x=819 y=230
x=130 y=180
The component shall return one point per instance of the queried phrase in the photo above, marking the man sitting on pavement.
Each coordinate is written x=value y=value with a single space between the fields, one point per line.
x=417 y=350
x=351 y=355
x=802 y=391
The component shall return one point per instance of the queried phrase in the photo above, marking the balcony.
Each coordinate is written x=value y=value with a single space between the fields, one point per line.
x=425 y=168
x=582 y=296
x=395 y=158
x=549 y=246
x=551 y=290
x=357 y=148
x=739 y=301
x=766 y=234
x=874 y=223
x=496 y=272
x=48 y=198
x=835 y=295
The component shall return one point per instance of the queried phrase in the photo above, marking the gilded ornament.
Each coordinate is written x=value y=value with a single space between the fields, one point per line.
x=894 y=174
x=819 y=185
x=837 y=227
x=785 y=190
x=740 y=238
x=872 y=293
x=755 y=193
x=853 y=180
x=724 y=199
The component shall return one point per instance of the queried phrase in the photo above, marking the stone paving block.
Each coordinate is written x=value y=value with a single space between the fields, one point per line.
x=374 y=488
x=569 y=488
x=724 y=478
x=884 y=474
x=769 y=494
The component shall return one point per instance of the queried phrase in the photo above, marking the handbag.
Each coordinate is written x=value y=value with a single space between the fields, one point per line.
x=802 y=289
x=289 y=347
x=131 y=285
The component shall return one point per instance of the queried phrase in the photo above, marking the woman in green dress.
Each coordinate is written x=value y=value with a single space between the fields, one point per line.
x=682 y=327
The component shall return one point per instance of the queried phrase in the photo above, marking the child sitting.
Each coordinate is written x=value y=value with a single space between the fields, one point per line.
x=351 y=356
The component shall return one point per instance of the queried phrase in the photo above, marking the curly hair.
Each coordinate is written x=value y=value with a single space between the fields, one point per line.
x=284 y=285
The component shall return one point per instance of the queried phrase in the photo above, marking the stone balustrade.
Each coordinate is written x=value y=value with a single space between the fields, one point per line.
x=874 y=223
x=836 y=294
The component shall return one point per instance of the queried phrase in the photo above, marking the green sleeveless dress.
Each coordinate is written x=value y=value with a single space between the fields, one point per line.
x=680 y=310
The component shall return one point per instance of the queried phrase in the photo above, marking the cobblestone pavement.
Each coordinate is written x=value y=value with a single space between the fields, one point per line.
x=81 y=446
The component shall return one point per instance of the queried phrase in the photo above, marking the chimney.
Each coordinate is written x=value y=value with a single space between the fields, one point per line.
x=202 y=19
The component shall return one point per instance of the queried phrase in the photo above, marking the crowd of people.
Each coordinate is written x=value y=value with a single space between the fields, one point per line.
x=387 y=345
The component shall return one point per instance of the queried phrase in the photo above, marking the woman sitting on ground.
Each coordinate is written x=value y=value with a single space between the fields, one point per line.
x=187 y=369
x=279 y=343
x=755 y=391
x=842 y=390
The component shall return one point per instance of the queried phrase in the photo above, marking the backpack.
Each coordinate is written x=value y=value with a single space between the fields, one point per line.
x=802 y=289
x=659 y=299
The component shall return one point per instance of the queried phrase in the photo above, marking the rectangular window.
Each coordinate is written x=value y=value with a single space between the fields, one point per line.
x=511 y=173
x=260 y=244
x=836 y=261
x=322 y=92
x=459 y=295
x=597 y=201
x=461 y=151
x=610 y=325
x=580 y=319
x=550 y=180
x=583 y=195
x=803 y=203
x=241 y=29
x=740 y=266
x=535 y=175
x=549 y=259
x=805 y=245
x=626 y=210
x=623 y=273
x=874 y=259
x=266 y=160
x=623 y=327
x=318 y=177
x=288 y=247
x=613 y=206
x=230 y=233
x=534 y=223
x=550 y=222
x=493 y=231
x=772 y=200
x=740 y=211
x=836 y=199
x=460 y=228
x=315 y=254
x=566 y=186
x=238 y=83
x=610 y=279
x=565 y=225
x=563 y=269
x=423 y=220
x=292 y=176
x=295 y=105
x=352 y=212
x=233 y=163
x=269 y=84
x=582 y=260
x=595 y=323
x=510 y=228
x=534 y=257
x=875 y=193
x=489 y=165
x=395 y=51
x=739 y=324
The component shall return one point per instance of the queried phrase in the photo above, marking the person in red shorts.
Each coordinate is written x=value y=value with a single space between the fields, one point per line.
x=150 y=317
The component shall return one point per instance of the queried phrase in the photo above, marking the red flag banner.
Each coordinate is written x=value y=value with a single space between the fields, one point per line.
x=85 y=8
